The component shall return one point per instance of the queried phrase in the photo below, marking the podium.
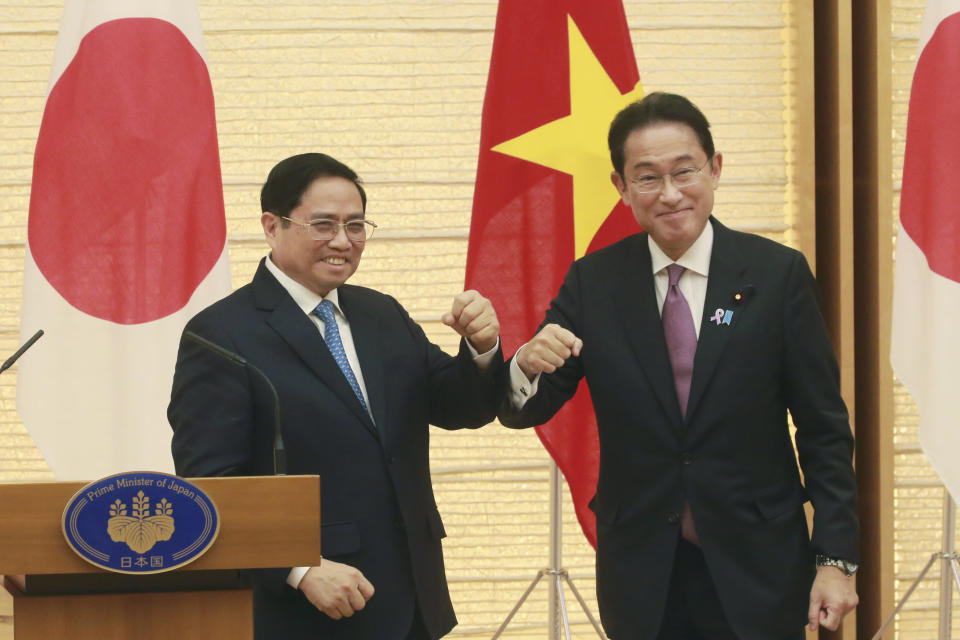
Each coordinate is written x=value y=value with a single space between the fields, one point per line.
x=271 y=521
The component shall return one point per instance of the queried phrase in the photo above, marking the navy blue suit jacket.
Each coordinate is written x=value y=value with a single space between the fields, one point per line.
x=378 y=510
x=731 y=457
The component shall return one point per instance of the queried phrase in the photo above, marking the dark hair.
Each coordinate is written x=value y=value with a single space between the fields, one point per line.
x=287 y=181
x=654 y=108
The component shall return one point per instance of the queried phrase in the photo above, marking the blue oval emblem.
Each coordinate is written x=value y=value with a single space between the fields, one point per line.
x=140 y=522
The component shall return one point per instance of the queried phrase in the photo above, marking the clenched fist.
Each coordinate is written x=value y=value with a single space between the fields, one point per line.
x=548 y=350
x=473 y=317
x=337 y=589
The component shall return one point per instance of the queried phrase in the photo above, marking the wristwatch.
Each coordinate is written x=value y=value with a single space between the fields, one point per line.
x=848 y=568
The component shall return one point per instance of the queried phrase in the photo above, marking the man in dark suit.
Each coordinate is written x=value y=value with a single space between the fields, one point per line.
x=695 y=342
x=358 y=384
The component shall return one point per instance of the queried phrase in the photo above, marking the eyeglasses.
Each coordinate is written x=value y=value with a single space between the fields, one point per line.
x=652 y=183
x=326 y=230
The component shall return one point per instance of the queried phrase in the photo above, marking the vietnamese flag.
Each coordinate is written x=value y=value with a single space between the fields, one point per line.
x=126 y=233
x=925 y=344
x=559 y=72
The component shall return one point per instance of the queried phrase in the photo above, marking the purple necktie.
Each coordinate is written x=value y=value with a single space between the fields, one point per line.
x=681 y=335
x=681 y=338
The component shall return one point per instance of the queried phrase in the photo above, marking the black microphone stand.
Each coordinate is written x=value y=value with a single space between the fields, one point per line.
x=279 y=451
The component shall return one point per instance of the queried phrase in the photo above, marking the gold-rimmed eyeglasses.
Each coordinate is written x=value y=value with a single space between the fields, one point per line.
x=326 y=230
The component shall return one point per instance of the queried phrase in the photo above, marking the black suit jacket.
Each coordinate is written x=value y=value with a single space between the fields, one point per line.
x=732 y=457
x=379 y=513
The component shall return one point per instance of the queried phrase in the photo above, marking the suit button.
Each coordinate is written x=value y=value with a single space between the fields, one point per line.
x=673 y=518
x=391 y=459
x=687 y=458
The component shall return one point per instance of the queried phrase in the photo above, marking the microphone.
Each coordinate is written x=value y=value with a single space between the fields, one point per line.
x=26 y=345
x=279 y=451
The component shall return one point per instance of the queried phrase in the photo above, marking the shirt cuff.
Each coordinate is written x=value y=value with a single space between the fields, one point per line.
x=296 y=575
x=521 y=387
x=483 y=360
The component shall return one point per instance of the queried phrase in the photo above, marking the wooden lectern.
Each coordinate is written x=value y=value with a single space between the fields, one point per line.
x=264 y=522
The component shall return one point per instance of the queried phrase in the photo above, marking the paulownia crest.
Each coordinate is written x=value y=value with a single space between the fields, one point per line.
x=141 y=531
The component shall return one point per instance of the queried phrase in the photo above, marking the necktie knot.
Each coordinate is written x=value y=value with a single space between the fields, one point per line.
x=324 y=311
x=674 y=271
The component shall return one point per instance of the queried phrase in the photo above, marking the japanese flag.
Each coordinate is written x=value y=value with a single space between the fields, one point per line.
x=925 y=345
x=126 y=233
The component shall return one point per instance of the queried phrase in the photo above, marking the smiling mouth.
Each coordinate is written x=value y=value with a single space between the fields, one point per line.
x=335 y=261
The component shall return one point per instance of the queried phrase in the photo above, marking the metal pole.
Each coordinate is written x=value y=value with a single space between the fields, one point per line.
x=906 y=596
x=519 y=604
x=555 y=550
x=556 y=574
x=946 y=582
x=949 y=573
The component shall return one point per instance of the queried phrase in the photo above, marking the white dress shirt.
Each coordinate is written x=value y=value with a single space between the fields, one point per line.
x=692 y=283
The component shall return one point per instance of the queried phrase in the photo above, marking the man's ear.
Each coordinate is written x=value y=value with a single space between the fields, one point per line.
x=271 y=226
x=618 y=182
x=716 y=165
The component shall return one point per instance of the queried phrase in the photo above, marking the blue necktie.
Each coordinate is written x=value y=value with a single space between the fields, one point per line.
x=324 y=311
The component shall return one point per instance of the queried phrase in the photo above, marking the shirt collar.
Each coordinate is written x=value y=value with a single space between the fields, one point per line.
x=304 y=298
x=696 y=258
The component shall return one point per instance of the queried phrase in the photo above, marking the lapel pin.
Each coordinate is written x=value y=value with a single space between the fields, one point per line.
x=740 y=295
x=722 y=316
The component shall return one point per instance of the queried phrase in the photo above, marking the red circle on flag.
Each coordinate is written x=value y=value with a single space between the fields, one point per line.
x=929 y=209
x=126 y=207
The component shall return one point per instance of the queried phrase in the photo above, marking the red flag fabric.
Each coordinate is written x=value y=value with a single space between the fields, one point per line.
x=559 y=72
x=126 y=234
x=924 y=345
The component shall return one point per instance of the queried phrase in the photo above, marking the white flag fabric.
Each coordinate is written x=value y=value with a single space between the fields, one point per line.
x=925 y=345
x=126 y=236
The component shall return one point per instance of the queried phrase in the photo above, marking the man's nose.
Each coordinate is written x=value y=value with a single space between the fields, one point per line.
x=669 y=191
x=340 y=238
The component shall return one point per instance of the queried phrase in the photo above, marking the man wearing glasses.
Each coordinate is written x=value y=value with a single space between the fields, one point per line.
x=696 y=341
x=358 y=384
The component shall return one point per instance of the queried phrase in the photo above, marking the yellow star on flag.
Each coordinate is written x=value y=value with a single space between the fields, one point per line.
x=577 y=144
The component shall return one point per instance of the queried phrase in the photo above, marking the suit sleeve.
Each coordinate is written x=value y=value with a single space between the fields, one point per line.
x=554 y=389
x=824 y=440
x=211 y=409
x=460 y=395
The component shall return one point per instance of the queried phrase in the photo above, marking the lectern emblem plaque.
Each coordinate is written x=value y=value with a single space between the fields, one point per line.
x=140 y=522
